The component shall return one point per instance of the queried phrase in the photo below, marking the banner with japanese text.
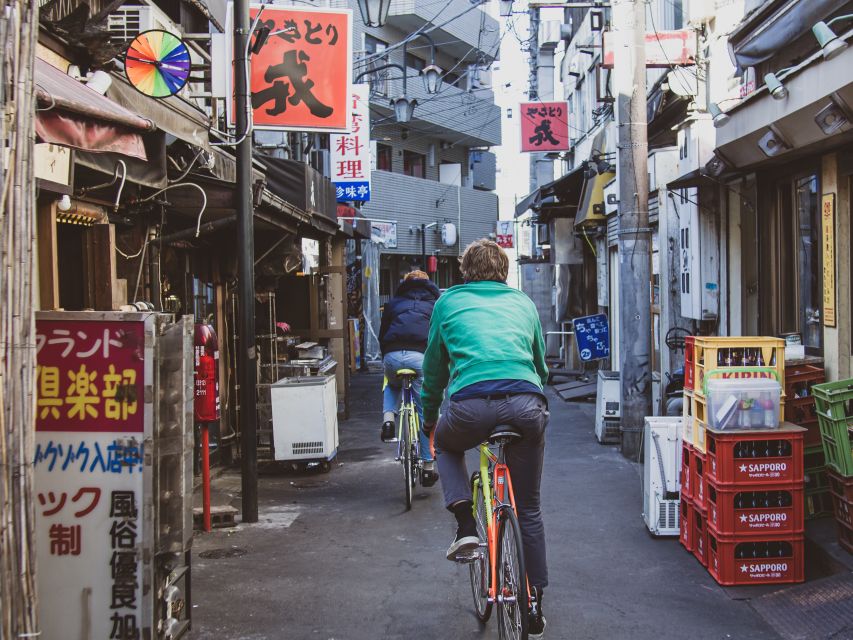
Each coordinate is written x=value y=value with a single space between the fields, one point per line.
x=300 y=79
x=90 y=429
x=544 y=126
x=350 y=152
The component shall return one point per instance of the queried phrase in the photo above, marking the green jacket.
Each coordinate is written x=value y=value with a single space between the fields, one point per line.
x=481 y=331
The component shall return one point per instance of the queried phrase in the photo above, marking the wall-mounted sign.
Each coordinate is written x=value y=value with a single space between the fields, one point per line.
x=664 y=49
x=828 y=243
x=504 y=233
x=350 y=152
x=384 y=233
x=300 y=79
x=592 y=334
x=544 y=126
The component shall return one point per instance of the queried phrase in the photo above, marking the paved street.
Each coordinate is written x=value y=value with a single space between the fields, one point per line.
x=336 y=556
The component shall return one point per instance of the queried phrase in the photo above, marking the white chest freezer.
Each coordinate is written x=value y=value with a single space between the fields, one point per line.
x=305 y=418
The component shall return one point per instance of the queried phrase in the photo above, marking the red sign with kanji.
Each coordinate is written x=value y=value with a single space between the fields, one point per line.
x=90 y=376
x=544 y=126
x=300 y=79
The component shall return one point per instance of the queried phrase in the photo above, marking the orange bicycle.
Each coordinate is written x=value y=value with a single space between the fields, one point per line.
x=497 y=568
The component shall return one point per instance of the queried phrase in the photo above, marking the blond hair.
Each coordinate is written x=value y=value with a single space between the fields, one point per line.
x=415 y=275
x=484 y=260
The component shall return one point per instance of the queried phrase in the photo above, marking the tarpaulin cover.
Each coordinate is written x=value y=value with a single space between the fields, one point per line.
x=773 y=27
x=302 y=186
x=83 y=133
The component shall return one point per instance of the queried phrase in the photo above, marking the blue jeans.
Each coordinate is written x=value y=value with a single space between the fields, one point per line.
x=393 y=362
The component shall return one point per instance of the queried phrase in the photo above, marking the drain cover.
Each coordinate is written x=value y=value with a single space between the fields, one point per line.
x=819 y=609
x=224 y=552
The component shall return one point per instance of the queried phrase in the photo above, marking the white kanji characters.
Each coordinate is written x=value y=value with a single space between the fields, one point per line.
x=82 y=394
x=48 y=401
x=339 y=192
x=363 y=190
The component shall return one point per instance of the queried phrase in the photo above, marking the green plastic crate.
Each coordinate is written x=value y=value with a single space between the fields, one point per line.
x=834 y=403
x=818 y=504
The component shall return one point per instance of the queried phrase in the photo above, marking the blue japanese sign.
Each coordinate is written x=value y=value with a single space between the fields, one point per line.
x=352 y=191
x=592 y=334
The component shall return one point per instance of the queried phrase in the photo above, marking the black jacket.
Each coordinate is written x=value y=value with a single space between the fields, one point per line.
x=405 y=321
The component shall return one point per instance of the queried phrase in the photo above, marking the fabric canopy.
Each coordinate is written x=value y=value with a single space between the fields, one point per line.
x=567 y=188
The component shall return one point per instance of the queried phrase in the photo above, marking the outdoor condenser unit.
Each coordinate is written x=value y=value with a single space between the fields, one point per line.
x=608 y=410
x=305 y=419
x=661 y=479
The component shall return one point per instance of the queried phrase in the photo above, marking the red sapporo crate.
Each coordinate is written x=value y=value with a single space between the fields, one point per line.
x=770 y=559
x=686 y=465
x=685 y=533
x=767 y=517
x=698 y=473
x=700 y=536
x=689 y=361
x=764 y=456
x=839 y=485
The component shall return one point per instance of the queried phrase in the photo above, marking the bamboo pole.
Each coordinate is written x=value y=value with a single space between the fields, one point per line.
x=18 y=595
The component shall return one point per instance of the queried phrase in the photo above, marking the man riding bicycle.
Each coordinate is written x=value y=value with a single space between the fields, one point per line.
x=486 y=341
x=403 y=337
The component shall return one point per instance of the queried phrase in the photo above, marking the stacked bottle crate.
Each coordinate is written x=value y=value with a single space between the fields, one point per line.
x=834 y=408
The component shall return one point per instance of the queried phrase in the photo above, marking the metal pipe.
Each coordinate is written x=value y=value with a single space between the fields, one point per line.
x=205 y=475
x=246 y=353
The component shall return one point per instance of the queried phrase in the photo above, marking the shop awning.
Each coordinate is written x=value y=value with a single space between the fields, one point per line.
x=591 y=210
x=306 y=188
x=73 y=115
x=774 y=25
x=352 y=223
x=555 y=198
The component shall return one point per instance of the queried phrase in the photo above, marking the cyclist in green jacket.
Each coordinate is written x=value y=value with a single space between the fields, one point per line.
x=486 y=348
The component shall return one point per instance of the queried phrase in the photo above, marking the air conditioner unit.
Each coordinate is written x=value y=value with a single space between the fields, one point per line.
x=126 y=22
x=661 y=477
x=608 y=408
x=698 y=278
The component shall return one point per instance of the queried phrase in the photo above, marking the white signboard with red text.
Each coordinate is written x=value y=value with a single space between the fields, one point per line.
x=91 y=426
x=664 y=49
x=350 y=152
x=505 y=234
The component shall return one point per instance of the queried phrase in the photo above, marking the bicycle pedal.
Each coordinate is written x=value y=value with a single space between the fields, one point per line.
x=468 y=558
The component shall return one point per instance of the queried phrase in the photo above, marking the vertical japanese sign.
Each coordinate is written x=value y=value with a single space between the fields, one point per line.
x=90 y=423
x=504 y=233
x=350 y=152
x=545 y=126
x=827 y=215
x=300 y=79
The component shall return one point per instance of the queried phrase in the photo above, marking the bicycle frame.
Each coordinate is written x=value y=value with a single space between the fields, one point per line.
x=407 y=406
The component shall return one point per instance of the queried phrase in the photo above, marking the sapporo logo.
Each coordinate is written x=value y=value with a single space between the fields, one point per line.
x=763 y=518
x=764 y=467
x=764 y=567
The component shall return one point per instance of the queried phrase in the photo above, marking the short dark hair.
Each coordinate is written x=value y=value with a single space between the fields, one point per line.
x=484 y=260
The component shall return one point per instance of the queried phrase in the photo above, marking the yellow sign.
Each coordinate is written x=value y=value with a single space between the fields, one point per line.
x=827 y=215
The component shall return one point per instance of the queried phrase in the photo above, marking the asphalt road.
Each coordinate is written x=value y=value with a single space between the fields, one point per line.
x=336 y=556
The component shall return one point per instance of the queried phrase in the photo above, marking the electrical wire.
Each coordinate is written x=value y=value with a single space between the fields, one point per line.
x=189 y=167
x=184 y=184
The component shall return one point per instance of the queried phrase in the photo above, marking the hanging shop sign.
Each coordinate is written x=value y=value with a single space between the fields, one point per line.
x=301 y=78
x=544 y=126
x=828 y=244
x=350 y=152
x=592 y=334
x=91 y=422
x=664 y=49
x=384 y=233
x=504 y=233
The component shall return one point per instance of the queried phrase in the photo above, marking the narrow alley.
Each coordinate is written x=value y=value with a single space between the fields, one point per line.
x=336 y=556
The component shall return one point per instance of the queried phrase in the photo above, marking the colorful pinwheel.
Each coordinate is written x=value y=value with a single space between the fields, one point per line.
x=157 y=63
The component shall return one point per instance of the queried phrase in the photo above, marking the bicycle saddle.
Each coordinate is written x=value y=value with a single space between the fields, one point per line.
x=504 y=434
x=406 y=372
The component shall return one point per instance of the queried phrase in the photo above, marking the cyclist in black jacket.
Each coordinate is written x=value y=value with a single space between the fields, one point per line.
x=403 y=339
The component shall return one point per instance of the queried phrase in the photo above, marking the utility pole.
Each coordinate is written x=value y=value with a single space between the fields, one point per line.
x=629 y=21
x=246 y=353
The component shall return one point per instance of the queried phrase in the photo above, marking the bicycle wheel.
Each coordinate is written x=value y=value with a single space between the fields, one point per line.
x=415 y=446
x=511 y=579
x=407 y=455
x=480 y=569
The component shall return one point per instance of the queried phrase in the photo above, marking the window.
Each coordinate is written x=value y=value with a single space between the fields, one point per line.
x=374 y=45
x=414 y=164
x=451 y=79
x=378 y=80
x=414 y=62
x=384 y=154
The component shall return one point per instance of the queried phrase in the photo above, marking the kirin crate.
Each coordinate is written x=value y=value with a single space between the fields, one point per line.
x=689 y=362
x=755 y=511
x=686 y=466
x=722 y=353
x=744 y=560
x=756 y=457
x=685 y=534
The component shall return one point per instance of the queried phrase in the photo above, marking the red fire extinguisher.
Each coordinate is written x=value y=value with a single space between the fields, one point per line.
x=206 y=403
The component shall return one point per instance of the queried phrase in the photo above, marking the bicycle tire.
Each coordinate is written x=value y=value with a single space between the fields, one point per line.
x=480 y=569
x=511 y=579
x=407 y=456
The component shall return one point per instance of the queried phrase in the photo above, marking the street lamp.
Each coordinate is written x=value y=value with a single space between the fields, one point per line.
x=719 y=118
x=404 y=108
x=374 y=13
x=830 y=44
x=775 y=87
x=505 y=8
x=432 y=78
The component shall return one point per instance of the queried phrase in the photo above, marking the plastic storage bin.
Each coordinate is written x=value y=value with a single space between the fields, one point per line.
x=738 y=403
x=834 y=402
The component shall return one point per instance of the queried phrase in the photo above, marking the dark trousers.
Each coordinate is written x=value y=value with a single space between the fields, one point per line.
x=465 y=425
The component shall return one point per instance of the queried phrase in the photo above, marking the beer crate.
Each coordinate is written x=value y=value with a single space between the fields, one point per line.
x=756 y=457
x=841 y=486
x=799 y=380
x=698 y=479
x=842 y=510
x=687 y=422
x=689 y=362
x=817 y=504
x=845 y=536
x=685 y=534
x=686 y=465
x=730 y=355
x=834 y=402
x=700 y=536
x=744 y=511
x=744 y=560
x=815 y=480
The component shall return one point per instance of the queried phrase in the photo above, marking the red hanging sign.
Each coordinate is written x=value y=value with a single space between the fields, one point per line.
x=545 y=126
